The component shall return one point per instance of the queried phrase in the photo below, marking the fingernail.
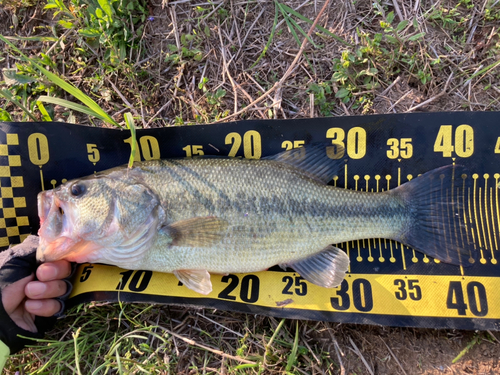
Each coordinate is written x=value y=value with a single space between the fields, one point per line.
x=49 y=271
x=33 y=304
x=36 y=288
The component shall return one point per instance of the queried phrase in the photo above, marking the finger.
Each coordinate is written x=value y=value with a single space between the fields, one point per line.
x=44 y=290
x=42 y=307
x=13 y=294
x=59 y=269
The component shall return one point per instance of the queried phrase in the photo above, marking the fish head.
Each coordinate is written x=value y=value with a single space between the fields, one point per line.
x=94 y=218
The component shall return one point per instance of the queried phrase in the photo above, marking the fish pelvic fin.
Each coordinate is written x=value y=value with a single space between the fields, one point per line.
x=197 y=280
x=197 y=232
x=326 y=269
x=438 y=222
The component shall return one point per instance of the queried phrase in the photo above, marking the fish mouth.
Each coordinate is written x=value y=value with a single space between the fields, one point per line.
x=55 y=228
x=58 y=239
x=44 y=202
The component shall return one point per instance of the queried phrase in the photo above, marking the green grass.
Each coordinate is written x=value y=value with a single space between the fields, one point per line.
x=139 y=338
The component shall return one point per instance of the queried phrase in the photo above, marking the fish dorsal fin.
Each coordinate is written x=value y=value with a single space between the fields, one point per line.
x=197 y=232
x=197 y=280
x=326 y=269
x=319 y=161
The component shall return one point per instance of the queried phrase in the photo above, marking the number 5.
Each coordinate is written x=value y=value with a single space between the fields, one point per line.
x=406 y=148
x=94 y=155
x=86 y=273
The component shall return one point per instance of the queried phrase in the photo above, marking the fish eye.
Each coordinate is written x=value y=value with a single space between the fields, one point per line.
x=77 y=190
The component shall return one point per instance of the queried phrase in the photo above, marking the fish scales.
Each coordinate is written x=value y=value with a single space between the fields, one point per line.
x=274 y=212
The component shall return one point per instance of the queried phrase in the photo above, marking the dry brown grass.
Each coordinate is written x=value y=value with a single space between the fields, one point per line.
x=451 y=68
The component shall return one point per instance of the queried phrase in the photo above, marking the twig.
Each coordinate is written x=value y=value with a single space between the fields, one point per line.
x=242 y=43
x=394 y=356
x=180 y=71
x=339 y=352
x=434 y=97
x=226 y=328
x=289 y=71
x=399 y=100
x=383 y=93
x=472 y=76
x=311 y=105
x=174 y=25
x=417 y=3
x=312 y=352
x=398 y=11
x=226 y=70
x=234 y=84
x=158 y=112
x=59 y=40
x=212 y=350
x=491 y=334
x=356 y=350
x=131 y=107
x=249 y=76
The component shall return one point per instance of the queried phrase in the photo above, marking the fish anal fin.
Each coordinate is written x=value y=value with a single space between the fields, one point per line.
x=326 y=269
x=197 y=280
x=197 y=232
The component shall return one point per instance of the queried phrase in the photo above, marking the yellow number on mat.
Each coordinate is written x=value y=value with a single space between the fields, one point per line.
x=38 y=148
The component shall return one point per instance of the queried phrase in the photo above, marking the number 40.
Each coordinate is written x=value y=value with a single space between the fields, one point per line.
x=462 y=143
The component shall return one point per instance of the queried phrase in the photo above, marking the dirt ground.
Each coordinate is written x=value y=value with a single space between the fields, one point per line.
x=421 y=351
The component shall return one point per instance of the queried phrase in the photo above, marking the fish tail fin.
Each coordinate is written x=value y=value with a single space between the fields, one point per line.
x=438 y=222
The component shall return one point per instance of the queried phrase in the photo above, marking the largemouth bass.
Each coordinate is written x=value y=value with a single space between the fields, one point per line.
x=193 y=217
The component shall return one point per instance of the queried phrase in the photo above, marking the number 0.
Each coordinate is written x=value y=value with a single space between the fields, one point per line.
x=150 y=147
x=38 y=148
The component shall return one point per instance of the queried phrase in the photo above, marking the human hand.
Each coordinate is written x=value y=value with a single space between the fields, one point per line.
x=27 y=306
x=25 y=298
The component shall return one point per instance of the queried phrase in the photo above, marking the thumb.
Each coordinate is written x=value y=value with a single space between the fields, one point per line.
x=13 y=294
x=13 y=303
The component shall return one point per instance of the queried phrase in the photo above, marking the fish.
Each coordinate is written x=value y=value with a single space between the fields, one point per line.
x=196 y=216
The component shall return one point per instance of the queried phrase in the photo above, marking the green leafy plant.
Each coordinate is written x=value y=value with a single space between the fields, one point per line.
x=406 y=36
x=398 y=35
x=321 y=92
x=453 y=19
x=22 y=85
x=213 y=101
x=89 y=107
x=190 y=49
x=109 y=25
x=492 y=11
x=354 y=72
x=17 y=4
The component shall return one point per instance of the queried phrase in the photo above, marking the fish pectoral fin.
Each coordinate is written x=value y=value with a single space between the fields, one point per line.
x=197 y=232
x=283 y=266
x=326 y=269
x=197 y=280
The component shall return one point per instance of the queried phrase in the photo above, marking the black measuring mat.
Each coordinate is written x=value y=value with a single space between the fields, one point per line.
x=387 y=283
